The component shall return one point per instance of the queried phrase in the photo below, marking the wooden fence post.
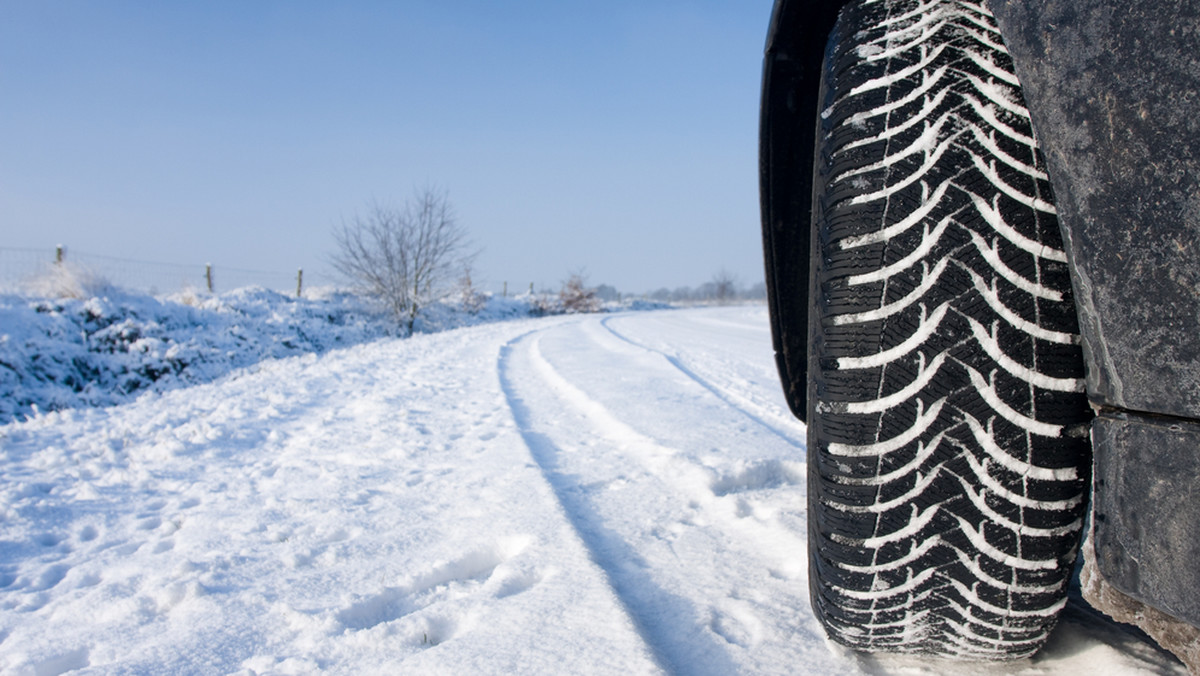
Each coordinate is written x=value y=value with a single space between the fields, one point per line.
x=299 y=281
x=208 y=275
x=58 y=254
x=504 y=294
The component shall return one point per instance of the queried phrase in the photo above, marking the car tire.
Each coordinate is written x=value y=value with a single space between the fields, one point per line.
x=948 y=426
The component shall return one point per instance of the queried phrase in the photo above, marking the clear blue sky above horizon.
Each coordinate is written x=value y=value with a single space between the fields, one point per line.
x=615 y=137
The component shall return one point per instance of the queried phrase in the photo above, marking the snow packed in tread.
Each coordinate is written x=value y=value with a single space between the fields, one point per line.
x=948 y=402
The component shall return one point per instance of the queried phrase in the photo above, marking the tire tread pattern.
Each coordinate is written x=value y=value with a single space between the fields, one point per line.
x=948 y=423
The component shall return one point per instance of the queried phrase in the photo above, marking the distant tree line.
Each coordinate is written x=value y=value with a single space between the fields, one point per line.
x=722 y=288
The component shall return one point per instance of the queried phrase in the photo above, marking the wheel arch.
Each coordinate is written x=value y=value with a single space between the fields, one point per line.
x=795 y=51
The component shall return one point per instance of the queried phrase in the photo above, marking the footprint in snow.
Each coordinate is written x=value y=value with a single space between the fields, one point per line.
x=51 y=576
x=58 y=664
x=436 y=630
x=47 y=539
x=392 y=604
x=483 y=571
x=737 y=624
x=515 y=582
x=758 y=475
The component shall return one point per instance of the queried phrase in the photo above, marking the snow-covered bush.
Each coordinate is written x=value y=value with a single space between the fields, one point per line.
x=61 y=352
x=577 y=296
x=541 y=305
x=67 y=280
x=65 y=352
x=473 y=300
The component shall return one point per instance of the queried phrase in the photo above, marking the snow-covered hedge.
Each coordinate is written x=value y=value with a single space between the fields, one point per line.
x=69 y=352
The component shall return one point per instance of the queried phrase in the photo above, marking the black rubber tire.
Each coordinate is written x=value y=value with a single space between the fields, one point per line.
x=949 y=457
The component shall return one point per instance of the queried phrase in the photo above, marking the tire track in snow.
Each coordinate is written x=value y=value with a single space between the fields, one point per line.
x=742 y=404
x=681 y=559
x=639 y=596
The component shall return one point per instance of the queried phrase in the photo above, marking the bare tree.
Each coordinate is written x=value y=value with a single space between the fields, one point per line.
x=405 y=257
x=724 y=287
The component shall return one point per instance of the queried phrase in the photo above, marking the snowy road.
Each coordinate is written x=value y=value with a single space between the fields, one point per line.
x=599 y=494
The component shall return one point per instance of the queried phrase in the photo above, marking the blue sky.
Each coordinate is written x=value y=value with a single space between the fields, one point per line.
x=612 y=137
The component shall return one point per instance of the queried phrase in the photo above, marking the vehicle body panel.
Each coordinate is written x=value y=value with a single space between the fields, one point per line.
x=1114 y=92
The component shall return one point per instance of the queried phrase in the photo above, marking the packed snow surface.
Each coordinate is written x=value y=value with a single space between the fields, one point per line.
x=588 y=494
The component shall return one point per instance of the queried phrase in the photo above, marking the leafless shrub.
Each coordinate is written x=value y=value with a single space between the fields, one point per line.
x=577 y=296
x=405 y=257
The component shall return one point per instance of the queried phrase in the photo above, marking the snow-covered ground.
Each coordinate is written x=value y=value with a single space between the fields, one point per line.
x=589 y=494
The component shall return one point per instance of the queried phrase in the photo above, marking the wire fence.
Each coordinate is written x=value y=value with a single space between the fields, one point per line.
x=22 y=270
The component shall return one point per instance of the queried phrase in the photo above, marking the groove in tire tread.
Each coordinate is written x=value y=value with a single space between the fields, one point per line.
x=947 y=477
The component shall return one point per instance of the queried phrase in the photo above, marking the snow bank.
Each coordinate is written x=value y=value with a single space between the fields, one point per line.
x=60 y=353
x=70 y=352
